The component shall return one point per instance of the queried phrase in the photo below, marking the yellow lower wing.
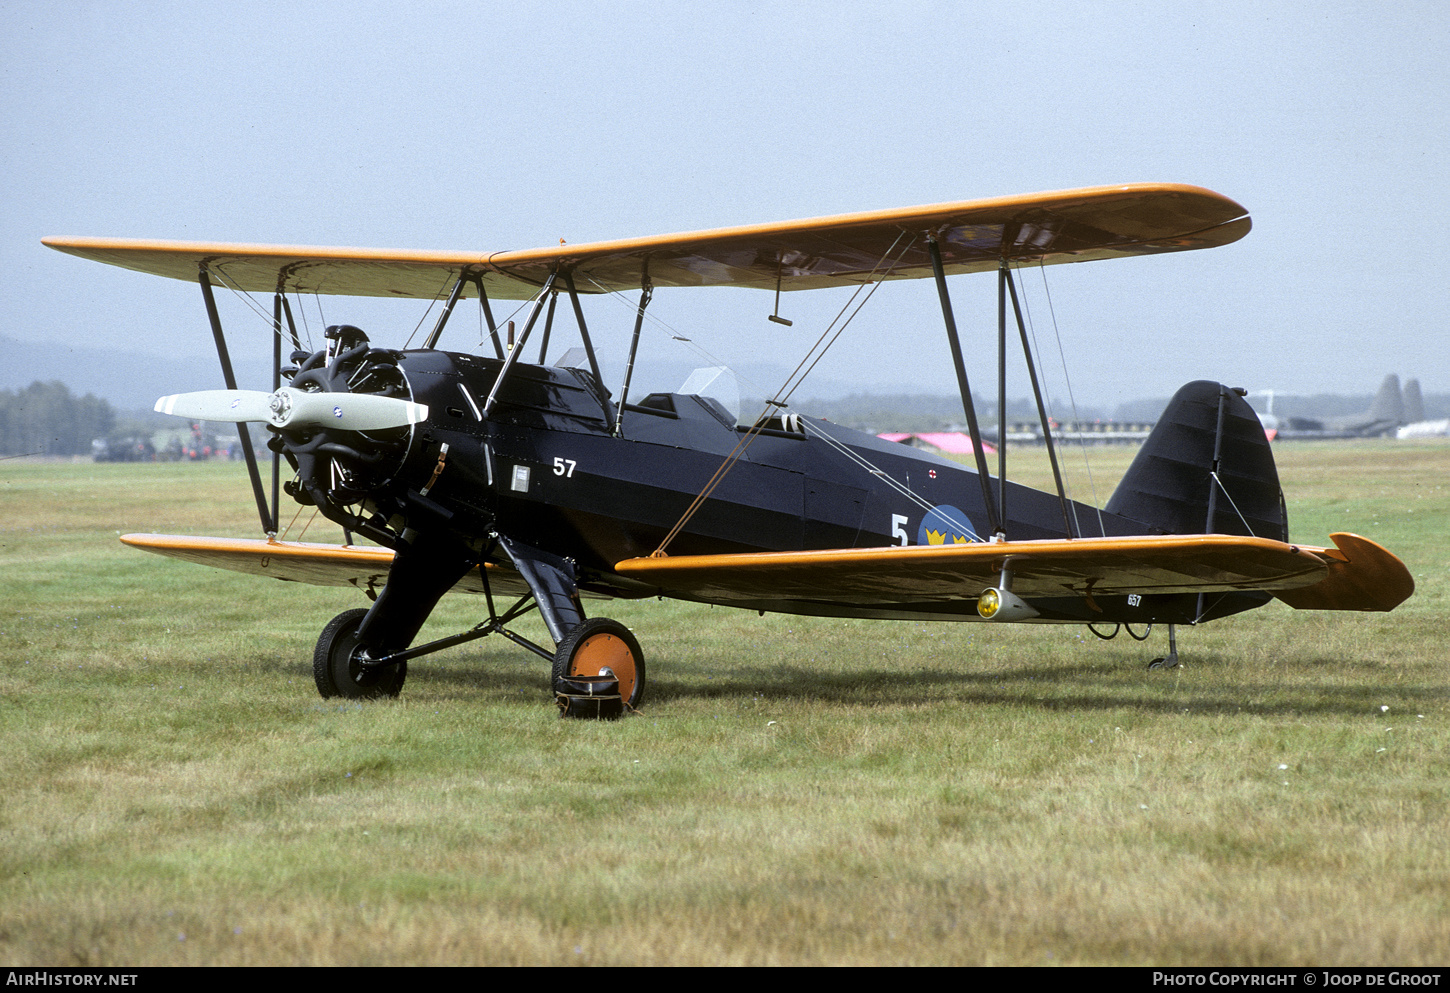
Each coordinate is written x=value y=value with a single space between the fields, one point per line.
x=1082 y=567
x=361 y=566
x=1356 y=575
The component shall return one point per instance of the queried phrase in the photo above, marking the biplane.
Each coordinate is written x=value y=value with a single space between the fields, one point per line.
x=539 y=488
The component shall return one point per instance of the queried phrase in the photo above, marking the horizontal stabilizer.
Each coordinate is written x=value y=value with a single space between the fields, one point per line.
x=1362 y=576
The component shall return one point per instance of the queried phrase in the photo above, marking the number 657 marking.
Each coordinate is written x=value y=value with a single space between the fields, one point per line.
x=564 y=467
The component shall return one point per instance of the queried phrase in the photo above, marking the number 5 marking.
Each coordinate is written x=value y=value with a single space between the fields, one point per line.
x=897 y=531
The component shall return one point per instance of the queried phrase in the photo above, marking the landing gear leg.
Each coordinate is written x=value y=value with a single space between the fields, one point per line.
x=590 y=652
x=1169 y=661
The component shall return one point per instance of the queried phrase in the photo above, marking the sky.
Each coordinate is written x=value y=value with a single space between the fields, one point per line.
x=486 y=126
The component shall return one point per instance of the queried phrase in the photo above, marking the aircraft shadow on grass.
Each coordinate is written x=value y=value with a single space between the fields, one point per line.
x=1100 y=686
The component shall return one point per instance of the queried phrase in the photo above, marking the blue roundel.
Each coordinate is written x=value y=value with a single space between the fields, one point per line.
x=336 y=411
x=945 y=525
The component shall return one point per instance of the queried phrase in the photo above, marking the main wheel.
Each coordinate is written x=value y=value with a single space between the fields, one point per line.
x=335 y=667
x=600 y=647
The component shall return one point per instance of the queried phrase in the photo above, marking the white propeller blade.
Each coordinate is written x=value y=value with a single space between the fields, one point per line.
x=289 y=408
x=218 y=405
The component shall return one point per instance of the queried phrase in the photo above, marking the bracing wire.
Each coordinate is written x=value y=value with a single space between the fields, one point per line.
x=306 y=328
x=245 y=297
x=1048 y=401
x=297 y=514
x=797 y=374
x=784 y=394
x=901 y=488
x=1231 y=503
x=675 y=334
x=1072 y=400
x=447 y=284
x=252 y=303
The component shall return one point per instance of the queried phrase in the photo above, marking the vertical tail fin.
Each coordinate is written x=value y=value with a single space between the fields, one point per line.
x=1389 y=402
x=1414 y=403
x=1206 y=468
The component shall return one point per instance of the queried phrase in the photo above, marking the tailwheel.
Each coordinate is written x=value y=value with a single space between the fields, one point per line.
x=1169 y=661
x=337 y=671
x=596 y=651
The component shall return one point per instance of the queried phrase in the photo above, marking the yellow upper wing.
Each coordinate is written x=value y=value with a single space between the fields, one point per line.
x=1067 y=226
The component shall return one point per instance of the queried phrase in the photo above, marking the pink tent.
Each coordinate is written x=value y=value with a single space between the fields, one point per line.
x=951 y=442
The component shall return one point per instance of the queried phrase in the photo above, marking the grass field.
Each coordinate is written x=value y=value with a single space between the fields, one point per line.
x=795 y=791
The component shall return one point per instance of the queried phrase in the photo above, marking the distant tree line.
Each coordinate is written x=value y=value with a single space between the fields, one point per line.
x=45 y=419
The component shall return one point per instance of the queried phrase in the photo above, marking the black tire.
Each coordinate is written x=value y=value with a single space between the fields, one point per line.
x=601 y=643
x=335 y=669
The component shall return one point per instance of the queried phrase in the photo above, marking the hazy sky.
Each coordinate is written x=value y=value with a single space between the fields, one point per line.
x=490 y=126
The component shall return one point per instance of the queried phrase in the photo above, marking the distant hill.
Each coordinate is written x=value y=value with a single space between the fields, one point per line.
x=131 y=381
x=128 y=380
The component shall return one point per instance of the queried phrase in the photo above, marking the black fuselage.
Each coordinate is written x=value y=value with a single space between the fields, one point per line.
x=554 y=465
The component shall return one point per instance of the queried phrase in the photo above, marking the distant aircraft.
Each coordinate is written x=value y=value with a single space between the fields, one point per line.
x=1414 y=403
x=512 y=478
x=1385 y=414
x=1415 y=424
x=1390 y=409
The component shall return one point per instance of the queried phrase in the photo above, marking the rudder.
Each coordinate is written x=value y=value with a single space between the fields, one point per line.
x=1170 y=486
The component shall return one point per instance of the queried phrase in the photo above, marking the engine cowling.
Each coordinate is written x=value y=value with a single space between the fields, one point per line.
x=339 y=465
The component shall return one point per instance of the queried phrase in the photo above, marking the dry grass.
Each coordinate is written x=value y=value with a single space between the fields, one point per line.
x=796 y=790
